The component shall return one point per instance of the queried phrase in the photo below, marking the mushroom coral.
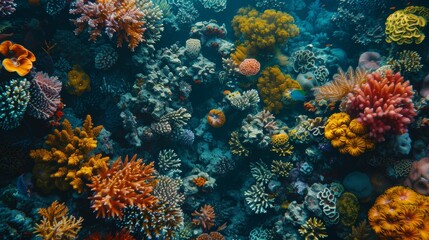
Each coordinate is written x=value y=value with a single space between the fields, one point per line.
x=18 y=58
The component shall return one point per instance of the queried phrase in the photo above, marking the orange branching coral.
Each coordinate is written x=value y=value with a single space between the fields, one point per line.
x=199 y=181
x=69 y=158
x=271 y=86
x=121 y=18
x=264 y=30
x=343 y=83
x=348 y=136
x=55 y=223
x=400 y=213
x=78 y=81
x=18 y=58
x=125 y=184
x=205 y=217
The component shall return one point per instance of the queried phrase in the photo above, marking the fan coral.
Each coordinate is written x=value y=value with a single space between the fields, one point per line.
x=403 y=26
x=69 y=159
x=216 y=118
x=383 y=104
x=341 y=85
x=313 y=229
x=205 y=217
x=45 y=96
x=349 y=136
x=124 y=184
x=78 y=81
x=272 y=84
x=264 y=30
x=56 y=224
x=400 y=213
x=17 y=58
x=249 y=67
x=14 y=98
x=120 y=18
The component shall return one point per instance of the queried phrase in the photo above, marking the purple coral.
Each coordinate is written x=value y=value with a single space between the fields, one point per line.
x=44 y=96
x=7 y=7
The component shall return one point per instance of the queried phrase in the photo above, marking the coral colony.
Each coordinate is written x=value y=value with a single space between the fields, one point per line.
x=214 y=119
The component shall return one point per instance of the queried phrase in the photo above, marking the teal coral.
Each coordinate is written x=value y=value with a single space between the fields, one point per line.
x=14 y=97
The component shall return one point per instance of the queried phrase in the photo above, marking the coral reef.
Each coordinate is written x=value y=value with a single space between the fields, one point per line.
x=14 y=98
x=44 y=95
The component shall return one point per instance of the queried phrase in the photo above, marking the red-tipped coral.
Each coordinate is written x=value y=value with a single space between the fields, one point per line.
x=125 y=184
x=383 y=104
x=121 y=18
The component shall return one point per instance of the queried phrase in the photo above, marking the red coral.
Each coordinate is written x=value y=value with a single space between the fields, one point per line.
x=383 y=104
x=117 y=17
x=125 y=184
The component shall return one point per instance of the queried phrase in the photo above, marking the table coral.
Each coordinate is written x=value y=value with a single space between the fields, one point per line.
x=271 y=85
x=383 y=104
x=122 y=19
x=69 y=160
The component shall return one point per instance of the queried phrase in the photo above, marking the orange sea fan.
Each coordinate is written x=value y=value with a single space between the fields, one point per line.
x=343 y=83
x=125 y=184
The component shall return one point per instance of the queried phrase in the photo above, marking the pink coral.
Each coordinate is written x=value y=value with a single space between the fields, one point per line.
x=249 y=67
x=370 y=60
x=418 y=178
x=383 y=104
x=117 y=17
x=45 y=96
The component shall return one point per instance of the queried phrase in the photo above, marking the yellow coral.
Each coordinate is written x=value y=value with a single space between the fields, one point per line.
x=264 y=30
x=271 y=85
x=279 y=139
x=69 y=159
x=78 y=81
x=348 y=136
x=280 y=144
x=403 y=26
x=241 y=52
x=56 y=224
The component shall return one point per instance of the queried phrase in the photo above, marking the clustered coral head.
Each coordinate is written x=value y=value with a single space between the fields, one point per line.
x=125 y=184
x=249 y=67
x=18 y=58
x=400 y=213
x=383 y=104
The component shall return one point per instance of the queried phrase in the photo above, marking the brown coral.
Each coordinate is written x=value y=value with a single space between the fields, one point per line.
x=55 y=223
x=125 y=184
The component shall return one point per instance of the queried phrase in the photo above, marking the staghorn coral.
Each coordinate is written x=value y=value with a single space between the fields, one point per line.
x=45 y=96
x=119 y=18
x=261 y=173
x=205 y=217
x=56 y=224
x=258 y=200
x=168 y=162
x=341 y=85
x=313 y=229
x=400 y=213
x=383 y=104
x=69 y=160
x=405 y=26
x=132 y=177
x=348 y=136
x=264 y=30
x=236 y=146
x=271 y=85
x=177 y=118
x=14 y=98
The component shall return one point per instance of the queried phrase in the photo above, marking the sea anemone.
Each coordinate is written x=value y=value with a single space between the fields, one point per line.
x=216 y=118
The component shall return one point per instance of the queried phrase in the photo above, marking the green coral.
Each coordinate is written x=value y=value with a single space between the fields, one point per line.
x=348 y=207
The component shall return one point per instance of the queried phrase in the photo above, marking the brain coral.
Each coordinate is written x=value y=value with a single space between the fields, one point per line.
x=403 y=26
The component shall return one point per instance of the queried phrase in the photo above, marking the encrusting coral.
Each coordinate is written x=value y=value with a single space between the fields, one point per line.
x=56 y=224
x=69 y=160
x=271 y=85
x=400 y=213
x=347 y=135
x=124 y=184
